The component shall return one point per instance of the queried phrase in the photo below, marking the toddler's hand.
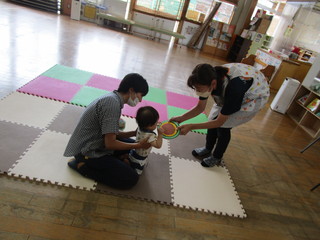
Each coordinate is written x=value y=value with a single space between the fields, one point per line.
x=160 y=130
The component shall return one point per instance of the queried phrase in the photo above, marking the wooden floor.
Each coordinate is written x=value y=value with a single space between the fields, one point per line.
x=272 y=177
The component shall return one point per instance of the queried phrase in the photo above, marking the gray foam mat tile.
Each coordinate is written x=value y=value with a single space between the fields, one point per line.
x=15 y=140
x=183 y=145
x=154 y=183
x=67 y=119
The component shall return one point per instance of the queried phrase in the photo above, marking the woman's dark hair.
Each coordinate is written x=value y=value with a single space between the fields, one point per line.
x=135 y=81
x=204 y=73
x=146 y=117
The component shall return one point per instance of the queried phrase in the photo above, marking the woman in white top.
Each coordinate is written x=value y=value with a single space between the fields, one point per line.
x=239 y=92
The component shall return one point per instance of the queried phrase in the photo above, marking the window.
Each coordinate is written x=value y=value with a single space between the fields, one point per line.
x=166 y=8
x=225 y=13
x=199 y=9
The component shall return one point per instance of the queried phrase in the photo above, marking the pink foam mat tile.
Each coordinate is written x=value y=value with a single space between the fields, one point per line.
x=103 y=82
x=161 y=108
x=15 y=140
x=51 y=88
x=181 y=101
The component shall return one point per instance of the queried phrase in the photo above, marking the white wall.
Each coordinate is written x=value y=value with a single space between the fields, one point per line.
x=306 y=30
x=240 y=15
x=116 y=7
x=313 y=72
x=188 y=30
x=152 y=22
x=308 y=26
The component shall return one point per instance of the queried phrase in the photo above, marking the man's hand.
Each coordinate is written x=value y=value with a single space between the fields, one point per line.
x=144 y=143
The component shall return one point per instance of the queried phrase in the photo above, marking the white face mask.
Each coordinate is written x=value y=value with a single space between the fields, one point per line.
x=134 y=102
x=203 y=94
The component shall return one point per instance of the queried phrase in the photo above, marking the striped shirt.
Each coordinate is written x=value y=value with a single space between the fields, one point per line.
x=138 y=157
x=100 y=117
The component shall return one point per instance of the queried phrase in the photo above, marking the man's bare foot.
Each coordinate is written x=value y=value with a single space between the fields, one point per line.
x=124 y=156
x=74 y=164
x=126 y=160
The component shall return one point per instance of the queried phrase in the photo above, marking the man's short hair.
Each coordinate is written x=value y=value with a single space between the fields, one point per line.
x=135 y=81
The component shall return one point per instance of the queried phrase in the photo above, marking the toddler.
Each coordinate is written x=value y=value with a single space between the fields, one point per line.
x=147 y=120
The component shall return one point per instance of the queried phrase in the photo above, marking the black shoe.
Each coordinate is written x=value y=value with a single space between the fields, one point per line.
x=201 y=152
x=211 y=162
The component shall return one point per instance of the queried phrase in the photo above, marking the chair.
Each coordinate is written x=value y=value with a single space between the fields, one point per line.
x=267 y=71
x=249 y=60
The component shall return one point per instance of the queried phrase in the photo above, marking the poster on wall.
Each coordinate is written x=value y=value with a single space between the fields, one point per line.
x=212 y=42
x=222 y=45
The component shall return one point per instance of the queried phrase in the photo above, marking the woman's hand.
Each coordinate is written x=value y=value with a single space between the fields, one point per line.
x=184 y=129
x=178 y=119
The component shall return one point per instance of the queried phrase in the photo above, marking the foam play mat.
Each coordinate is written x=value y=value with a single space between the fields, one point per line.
x=80 y=87
x=34 y=132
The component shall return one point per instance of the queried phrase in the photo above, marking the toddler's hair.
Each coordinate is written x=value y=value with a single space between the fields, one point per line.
x=146 y=117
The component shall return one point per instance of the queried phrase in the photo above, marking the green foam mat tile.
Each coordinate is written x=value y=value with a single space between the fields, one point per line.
x=68 y=74
x=156 y=95
x=86 y=95
x=174 y=111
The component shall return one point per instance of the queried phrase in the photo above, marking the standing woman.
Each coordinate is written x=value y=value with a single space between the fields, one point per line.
x=239 y=92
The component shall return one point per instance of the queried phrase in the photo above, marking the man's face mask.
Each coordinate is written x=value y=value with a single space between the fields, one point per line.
x=133 y=102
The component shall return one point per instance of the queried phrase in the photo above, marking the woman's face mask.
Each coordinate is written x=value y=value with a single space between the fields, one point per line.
x=133 y=102
x=203 y=94
x=203 y=91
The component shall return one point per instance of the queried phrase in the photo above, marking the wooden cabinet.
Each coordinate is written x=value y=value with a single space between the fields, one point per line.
x=66 y=7
x=218 y=39
x=289 y=68
x=284 y=67
x=300 y=112
x=239 y=49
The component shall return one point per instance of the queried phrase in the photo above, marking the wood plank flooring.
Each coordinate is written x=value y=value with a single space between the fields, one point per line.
x=272 y=177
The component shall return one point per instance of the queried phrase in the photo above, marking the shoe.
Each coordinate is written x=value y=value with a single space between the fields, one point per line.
x=200 y=152
x=210 y=162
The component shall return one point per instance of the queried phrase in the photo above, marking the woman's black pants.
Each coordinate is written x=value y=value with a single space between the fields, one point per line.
x=218 y=139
